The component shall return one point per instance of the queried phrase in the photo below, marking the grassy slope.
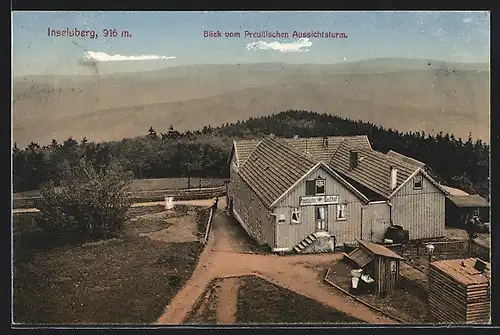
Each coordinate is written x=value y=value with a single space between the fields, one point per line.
x=128 y=280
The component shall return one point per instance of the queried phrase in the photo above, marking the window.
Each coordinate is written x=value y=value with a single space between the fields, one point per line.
x=320 y=187
x=295 y=215
x=475 y=212
x=310 y=187
x=281 y=218
x=393 y=266
x=417 y=182
x=341 y=211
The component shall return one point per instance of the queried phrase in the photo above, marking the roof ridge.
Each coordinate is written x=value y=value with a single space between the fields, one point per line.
x=381 y=155
x=284 y=144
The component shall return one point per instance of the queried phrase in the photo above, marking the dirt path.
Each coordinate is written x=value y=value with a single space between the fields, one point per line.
x=227 y=297
x=224 y=257
x=201 y=203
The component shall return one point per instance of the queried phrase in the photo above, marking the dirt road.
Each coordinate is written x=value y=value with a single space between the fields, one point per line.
x=226 y=255
x=201 y=203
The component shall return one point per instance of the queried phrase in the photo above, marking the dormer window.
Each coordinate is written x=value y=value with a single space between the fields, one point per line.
x=417 y=182
x=320 y=187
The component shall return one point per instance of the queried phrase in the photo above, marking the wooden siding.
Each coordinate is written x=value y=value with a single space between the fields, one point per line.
x=386 y=280
x=248 y=208
x=376 y=220
x=421 y=212
x=290 y=234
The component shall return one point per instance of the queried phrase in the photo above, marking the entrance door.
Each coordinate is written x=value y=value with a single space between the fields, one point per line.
x=321 y=214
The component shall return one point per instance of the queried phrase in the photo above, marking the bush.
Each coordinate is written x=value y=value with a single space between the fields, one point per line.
x=87 y=204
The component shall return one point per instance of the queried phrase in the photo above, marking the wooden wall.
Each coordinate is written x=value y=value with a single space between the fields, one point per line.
x=421 y=212
x=376 y=220
x=248 y=209
x=290 y=234
x=386 y=280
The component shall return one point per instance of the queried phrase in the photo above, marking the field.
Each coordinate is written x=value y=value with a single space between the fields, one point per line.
x=129 y=279
x=260 y=302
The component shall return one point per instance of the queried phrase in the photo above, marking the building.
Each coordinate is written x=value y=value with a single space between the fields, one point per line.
x=461 y=206
x=400 y=193
x=283 y=197
x=459 y=291
x=288 y=192
x=381 y=263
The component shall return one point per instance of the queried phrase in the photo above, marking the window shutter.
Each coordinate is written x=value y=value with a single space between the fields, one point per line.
x=310 y=187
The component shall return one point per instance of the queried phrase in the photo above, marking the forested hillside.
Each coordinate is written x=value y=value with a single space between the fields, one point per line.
x=204 y=153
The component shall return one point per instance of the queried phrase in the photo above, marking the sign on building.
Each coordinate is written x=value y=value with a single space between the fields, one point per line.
x=319 y=200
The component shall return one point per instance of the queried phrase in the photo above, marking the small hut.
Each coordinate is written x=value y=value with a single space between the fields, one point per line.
x=461 y=208
x=381 y=263
x=459 y=291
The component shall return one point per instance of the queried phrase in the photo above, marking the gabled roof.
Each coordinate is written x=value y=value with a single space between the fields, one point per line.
x=406 y=159
x=242 y=149
x=464 y=201
x=272 y=168
x=311 y=146
x=334 y=174
x=379 y=250
x=373 y=170
x=316 y=149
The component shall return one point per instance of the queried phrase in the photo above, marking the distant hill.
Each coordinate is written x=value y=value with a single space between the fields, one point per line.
x=405 y=94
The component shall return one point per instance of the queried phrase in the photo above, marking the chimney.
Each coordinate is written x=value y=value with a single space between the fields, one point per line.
x=394 y=177
x=295 y=136
x=325 y=142
x=353 y=156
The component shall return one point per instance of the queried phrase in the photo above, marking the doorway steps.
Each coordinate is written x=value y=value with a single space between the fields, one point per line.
x=310 y=239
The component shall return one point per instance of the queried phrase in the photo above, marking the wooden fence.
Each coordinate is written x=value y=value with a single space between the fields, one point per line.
x=209 y=225
x=457 y=247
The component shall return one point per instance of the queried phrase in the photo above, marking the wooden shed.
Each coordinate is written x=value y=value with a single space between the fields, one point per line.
x=460 y=208
x=381 y=263
x=459 y=291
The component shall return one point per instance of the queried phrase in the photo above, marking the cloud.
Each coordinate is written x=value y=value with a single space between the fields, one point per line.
x=104 y=57
x=467 y=20
x=301 y=45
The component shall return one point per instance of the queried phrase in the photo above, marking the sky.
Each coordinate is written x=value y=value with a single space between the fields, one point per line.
x=163 y=39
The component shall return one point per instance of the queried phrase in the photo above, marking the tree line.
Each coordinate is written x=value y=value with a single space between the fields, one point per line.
x=462 y=163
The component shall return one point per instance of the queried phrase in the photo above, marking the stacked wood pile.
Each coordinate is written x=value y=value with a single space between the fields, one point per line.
x=459 y=291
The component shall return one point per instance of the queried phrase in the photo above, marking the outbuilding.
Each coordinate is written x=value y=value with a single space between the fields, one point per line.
x=381 y=263
x=461 y=208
